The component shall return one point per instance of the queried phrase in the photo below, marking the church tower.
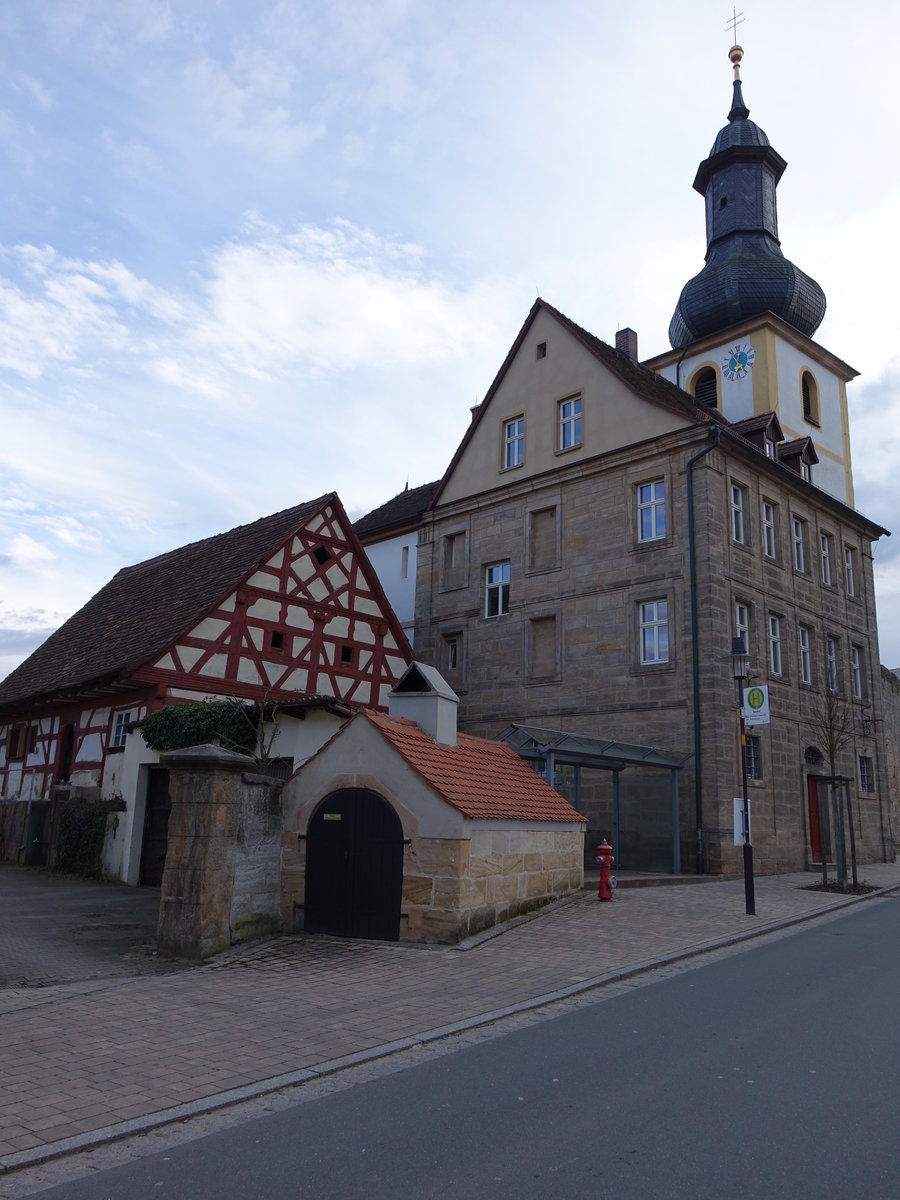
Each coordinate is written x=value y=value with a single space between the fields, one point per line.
x=742 y=332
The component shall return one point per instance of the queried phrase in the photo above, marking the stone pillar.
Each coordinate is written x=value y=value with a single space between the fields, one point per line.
x=220 y=882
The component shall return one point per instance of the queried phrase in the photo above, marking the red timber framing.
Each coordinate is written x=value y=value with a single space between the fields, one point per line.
x=311 y=620
x=287 y=608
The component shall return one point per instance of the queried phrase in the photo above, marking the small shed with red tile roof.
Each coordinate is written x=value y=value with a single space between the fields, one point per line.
x=400 y=828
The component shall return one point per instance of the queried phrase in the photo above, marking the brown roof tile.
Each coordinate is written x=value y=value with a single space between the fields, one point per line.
x=479 y=777
x=145 y=607
x=404 y=509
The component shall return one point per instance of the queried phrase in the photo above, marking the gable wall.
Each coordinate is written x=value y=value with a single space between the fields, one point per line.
x=307 y=622
x=532 y=387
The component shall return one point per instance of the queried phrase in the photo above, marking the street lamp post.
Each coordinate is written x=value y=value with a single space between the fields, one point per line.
x=740 y=669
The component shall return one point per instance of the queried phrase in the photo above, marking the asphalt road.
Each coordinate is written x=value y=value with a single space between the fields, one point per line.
x=771 y=1073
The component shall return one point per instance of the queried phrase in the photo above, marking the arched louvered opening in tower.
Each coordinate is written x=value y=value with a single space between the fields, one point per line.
x=810 y=390
x=706 y=388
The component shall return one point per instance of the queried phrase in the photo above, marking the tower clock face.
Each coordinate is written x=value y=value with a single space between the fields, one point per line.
x=738 y=361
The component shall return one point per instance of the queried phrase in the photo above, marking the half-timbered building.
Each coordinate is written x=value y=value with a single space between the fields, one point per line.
x=286 y=610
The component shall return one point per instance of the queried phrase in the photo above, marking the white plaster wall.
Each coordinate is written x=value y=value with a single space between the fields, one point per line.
x=387 y=559
x=829 y=438
x=300 y=739
x=357 y=759
x=122 y=777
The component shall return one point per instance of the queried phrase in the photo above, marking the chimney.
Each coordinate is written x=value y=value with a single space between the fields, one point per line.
x=424 y=696
x=626 y=342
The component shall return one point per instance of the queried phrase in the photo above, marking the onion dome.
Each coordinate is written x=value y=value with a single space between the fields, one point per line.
x=746 y=273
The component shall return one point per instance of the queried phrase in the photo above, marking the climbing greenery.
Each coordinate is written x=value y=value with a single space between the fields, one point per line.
x=178 y=726
x=82 y=832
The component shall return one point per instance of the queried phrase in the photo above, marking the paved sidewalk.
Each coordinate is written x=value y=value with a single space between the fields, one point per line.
x=88 y=1061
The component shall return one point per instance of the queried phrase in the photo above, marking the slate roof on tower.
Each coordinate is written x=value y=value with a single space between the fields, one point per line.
x=746 y=273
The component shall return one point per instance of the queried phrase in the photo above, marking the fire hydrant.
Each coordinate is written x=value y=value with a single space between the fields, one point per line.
x=606 y=860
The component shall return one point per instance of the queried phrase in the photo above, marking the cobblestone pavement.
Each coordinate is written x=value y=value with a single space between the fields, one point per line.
x=88 y=1060
x=57 y=929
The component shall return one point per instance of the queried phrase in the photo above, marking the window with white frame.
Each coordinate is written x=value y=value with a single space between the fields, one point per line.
x=452 y=652
x=570 y=422
x=774 y=644
x=754 y=756
x=831 y=663
x=856 y=671
x=496 y=589
x=652 y=511
x=798 y=543
x=120 y=728
x=866 y=773
x=850 y=570
x=513 y=442
x=404 y=562
x=739 y=531
x=804 y=649
x=805 y=470
x=742 y=624
x=654 y=631
x=827 y=543
x=770 y=544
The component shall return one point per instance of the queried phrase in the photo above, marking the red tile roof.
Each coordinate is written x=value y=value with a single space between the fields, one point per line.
x=144 y=608
x=479 y=777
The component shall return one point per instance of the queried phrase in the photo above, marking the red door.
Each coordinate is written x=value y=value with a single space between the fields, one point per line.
x=815 y=827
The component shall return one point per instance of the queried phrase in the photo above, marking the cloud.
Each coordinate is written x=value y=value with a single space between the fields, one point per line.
x=28 y=551
x=40 y=93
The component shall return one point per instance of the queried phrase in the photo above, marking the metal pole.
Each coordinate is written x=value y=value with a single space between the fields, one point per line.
x=749 y=891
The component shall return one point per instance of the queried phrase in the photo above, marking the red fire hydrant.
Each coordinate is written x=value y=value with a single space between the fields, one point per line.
x=606 y=860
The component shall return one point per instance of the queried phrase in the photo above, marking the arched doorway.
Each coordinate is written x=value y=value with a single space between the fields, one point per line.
x=354 y=867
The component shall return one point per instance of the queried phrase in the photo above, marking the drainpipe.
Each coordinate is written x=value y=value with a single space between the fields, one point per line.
x=716 y=434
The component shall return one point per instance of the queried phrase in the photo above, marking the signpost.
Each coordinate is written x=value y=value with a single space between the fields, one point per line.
x=756 y=705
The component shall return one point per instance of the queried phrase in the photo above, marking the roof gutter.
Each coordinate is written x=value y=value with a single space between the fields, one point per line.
x=715 y=434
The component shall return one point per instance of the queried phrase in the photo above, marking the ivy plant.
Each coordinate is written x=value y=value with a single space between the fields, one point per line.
x=178 y=726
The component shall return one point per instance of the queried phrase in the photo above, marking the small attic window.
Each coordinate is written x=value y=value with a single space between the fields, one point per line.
x=346 y=654
x=706 y=388
x=321 y=554
x=542 y=350
x=277 y=639
x=723 y=203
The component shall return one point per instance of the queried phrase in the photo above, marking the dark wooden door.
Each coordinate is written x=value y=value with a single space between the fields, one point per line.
x=156 y=827
x=818 y=836
x=354 y=867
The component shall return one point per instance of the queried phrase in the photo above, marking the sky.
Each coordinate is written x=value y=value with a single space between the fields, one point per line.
x=254 y=253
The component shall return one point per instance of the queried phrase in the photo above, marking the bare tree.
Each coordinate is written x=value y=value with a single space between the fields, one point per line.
x=835 y=723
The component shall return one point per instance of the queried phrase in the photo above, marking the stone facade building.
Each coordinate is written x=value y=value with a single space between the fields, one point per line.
x=596 y=588
x=606 y=530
